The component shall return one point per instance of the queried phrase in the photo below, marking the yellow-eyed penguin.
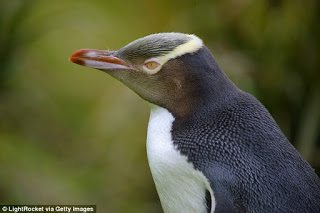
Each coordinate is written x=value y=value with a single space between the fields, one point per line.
x=211 y=147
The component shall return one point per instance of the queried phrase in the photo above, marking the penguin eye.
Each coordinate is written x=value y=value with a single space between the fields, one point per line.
x=151 y=65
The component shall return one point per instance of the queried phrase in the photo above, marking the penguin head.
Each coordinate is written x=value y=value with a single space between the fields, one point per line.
x=171 y=70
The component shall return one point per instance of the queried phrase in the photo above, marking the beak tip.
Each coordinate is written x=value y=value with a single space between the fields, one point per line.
x=77 y=61
x=76 y=57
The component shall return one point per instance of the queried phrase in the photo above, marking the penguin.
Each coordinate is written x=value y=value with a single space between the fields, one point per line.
x=211 y=147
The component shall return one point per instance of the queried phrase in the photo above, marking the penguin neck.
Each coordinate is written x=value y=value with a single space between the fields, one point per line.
x=211 y=94
x=204 y=85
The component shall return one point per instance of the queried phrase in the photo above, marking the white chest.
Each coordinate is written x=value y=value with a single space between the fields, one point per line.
x=181 y=188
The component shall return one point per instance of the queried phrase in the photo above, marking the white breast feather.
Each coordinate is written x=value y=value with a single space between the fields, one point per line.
x=181 y=188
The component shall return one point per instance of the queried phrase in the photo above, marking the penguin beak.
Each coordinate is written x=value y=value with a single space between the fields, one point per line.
x=98 y=59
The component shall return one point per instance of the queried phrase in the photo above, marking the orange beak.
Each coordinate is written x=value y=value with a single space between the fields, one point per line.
x=98 y=59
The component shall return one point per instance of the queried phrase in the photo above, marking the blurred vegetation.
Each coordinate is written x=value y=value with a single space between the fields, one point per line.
x=73 y=135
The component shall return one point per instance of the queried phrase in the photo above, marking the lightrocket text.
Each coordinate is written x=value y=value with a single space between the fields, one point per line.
x=48 y=208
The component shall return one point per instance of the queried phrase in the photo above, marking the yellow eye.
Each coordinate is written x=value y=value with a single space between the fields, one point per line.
x=151 y=65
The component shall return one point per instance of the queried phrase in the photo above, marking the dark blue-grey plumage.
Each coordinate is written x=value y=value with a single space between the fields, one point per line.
x=236 y=143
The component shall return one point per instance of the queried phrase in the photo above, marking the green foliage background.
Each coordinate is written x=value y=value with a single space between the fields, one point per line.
x=73 y=135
